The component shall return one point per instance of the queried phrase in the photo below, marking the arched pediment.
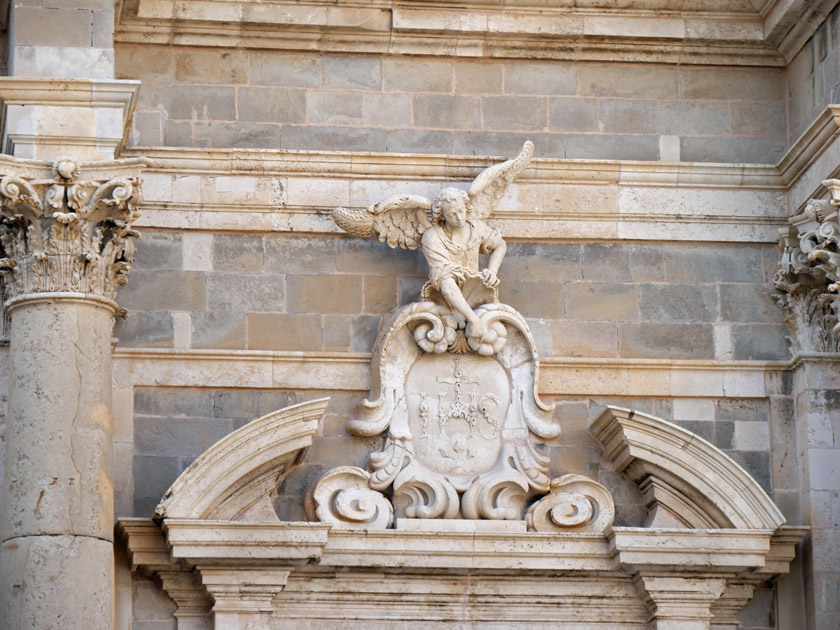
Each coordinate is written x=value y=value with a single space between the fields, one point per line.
x=234 y=479
x=685 y=480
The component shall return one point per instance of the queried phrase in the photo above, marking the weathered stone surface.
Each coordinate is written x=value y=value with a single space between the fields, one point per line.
x=284 y=331
x=55 y=579
x=665 y=340
x=616 y=302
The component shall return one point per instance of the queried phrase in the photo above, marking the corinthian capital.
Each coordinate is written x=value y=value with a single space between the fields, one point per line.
x=808 y=280
x=66 y=226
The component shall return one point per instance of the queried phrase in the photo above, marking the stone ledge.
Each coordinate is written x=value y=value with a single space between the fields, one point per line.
x=152 y=367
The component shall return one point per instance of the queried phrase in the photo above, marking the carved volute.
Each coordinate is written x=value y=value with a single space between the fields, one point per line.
x=70 y=231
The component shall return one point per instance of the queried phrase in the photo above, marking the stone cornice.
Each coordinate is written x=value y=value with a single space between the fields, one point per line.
x=789 y=24
x=606 y=199
x=649 y=32
x=19 y=127
x=159 y=367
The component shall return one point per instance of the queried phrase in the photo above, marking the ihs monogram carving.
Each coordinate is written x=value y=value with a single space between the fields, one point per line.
x=65 y=233
x=454 y=386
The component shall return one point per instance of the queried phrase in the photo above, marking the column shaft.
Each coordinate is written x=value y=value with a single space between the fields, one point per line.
x=58 y=514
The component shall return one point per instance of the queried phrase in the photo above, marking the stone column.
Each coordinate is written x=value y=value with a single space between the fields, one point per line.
x=808 y=289
x=65 y=241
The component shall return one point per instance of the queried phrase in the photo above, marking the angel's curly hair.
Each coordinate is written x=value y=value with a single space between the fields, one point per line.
x=450 y=194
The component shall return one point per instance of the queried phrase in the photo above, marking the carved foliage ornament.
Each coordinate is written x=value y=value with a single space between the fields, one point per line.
x=454 y=386
x=65 y=233
x=808 y=280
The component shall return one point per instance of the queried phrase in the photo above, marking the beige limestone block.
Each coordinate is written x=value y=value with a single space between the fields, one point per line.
x=59 y=450
x=56 y=582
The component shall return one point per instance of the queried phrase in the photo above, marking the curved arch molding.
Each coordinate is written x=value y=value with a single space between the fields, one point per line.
x=234 y=479
x=685 y=481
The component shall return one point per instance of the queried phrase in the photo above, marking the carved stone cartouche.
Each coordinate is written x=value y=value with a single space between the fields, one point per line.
x=454 y=385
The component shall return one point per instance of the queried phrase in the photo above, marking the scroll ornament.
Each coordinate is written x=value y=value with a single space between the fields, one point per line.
x=454 y=385
x=808 y=280
x=66 y=233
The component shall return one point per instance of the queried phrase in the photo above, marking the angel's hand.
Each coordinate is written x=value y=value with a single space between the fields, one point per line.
x=477 y=328
x=489 y=278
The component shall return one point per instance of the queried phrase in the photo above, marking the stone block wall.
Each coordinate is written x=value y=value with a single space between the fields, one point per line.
x=812 y=76
x=589 y=299
x=233 y=98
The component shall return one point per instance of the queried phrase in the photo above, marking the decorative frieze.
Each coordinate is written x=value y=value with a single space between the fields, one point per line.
x=68 y=231
x=807 y=282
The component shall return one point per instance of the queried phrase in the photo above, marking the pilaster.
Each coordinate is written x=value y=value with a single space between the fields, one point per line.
x=242 y=595
x=808 y=289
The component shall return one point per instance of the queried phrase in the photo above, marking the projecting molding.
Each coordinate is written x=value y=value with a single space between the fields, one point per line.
x=222 y=563
x=234 y=478
x=647 y=31
x=685 y=481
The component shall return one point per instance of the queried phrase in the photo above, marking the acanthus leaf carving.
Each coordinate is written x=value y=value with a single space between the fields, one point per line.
x=65 y=234
x=808 y=280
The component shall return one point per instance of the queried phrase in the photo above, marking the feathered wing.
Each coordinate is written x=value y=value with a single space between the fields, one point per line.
x=399 y=221
x=489 y=187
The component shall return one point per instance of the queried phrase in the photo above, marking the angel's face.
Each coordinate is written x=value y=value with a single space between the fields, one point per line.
x=454 y=213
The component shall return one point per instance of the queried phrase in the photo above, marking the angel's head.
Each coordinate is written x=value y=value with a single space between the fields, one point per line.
x=452 y=206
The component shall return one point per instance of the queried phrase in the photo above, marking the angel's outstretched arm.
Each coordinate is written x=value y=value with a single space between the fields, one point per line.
x=456 y=300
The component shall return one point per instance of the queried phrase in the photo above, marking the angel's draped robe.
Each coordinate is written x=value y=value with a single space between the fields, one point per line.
x=450 y=260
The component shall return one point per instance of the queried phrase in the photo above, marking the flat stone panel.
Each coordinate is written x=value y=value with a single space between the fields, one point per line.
x=666 y=341
x=387 y=110
x=594 y=301
x=534 y=299
x=164 y=290
x=218 y=330
x=150 y=64
x=755 y=84
x=515 y=113
x=692 y=118
x=211 y=66
x=331 y=138
x=612 y=147
x=758 y=119
x=447 y=111
x=358 y=73
x=540 y=78
x=712 y=263
x=748 y=303
x=630 y=81
x=760 y=342
x=476 y=77
x=300 y=254
x=249 y=292
x=628 y=116
x=335 y=108
x=584 y=339
x=237 y=253
x=323 y=294
x=271 y=105
x=380 y=294
x=270 y=331
x=56 y=27
x=191 y=102
x=160 y=250
x=418 y=141
x=678 y=302
x=145 y=328
x=286 y=70
x=573 y=114
x=739 y=150
x=417 y=75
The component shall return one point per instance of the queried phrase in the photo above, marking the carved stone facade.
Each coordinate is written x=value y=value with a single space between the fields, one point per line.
x=582 y=391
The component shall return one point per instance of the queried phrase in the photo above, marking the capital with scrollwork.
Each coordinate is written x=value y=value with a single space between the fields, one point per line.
x=66 y=226
x=808 y=280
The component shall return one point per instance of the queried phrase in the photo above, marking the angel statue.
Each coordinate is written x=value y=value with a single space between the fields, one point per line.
x=452 y=232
